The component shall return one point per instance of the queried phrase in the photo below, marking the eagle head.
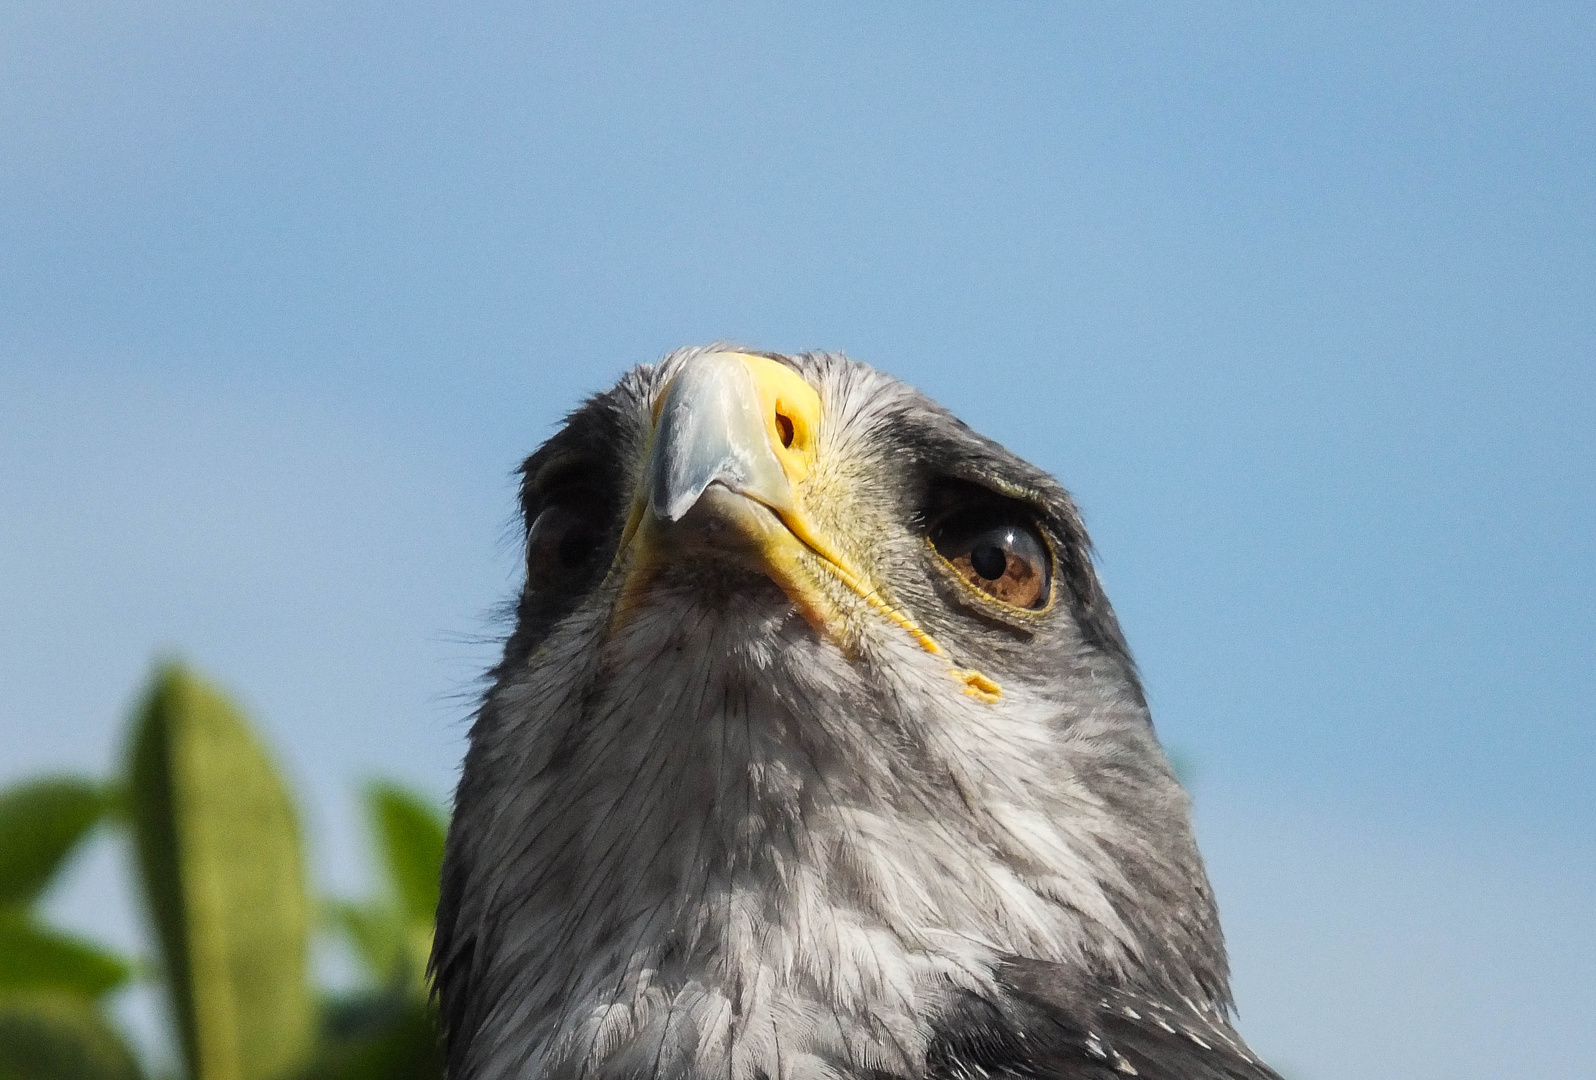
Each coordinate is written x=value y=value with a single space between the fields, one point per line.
x=816 y=751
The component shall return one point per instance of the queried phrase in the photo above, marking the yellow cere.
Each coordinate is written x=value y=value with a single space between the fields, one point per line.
x=789 y=402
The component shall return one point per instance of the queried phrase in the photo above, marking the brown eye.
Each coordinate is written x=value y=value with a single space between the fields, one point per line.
x=564 y=541
x=1002 y=556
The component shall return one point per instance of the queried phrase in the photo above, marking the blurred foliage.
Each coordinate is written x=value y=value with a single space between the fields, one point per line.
x=60 y=1036
x=40 y=823
x=214 y=833
x=219 y=854
x=387 y=1029
x=392 y=933
x=51 y=983
x=36 y=957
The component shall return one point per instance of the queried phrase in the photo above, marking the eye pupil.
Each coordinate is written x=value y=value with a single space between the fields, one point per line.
x=784 y=429
x=575 y=547
x=989 y=561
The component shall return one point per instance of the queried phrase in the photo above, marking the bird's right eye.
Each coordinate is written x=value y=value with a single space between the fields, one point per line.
x=998 y=552
x=563 y=543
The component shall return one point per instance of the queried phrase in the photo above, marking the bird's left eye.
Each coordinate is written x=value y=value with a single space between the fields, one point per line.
x=999 y=554
x=563 y=541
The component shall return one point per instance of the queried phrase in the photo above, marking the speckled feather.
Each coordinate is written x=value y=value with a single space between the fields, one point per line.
x=705 y=841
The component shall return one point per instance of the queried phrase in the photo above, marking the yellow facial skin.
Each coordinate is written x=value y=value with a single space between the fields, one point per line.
x=739 y=434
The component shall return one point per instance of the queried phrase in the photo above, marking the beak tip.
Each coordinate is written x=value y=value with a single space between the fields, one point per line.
x=670 y=514
x=670 y=502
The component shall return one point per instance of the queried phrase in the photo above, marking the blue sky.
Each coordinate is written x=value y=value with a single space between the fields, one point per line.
x=1300 y=301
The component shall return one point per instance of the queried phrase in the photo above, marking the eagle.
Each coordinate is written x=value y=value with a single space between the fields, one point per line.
x=816 y=751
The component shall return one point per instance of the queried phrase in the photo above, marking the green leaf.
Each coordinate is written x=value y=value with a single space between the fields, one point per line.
x=59 y=1037
x=34 y=957
x=376 y=932
x=41 y=821
x=219 y=853
x=410 y=831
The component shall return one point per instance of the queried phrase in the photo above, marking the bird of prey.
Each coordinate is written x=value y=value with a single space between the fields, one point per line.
x=816 y=752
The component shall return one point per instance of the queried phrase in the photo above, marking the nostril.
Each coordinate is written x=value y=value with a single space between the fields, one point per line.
x=784 y=429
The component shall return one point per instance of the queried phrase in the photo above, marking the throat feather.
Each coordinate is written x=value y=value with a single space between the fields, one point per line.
x=724 y=866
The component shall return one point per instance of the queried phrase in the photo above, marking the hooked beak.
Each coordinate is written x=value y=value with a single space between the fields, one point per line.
x=744 y=422
x=737 y=436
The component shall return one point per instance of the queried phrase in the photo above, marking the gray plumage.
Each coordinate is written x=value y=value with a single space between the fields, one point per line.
x=695 y=838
